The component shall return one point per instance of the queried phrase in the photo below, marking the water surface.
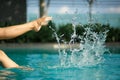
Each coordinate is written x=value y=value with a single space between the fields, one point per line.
x=44 y=65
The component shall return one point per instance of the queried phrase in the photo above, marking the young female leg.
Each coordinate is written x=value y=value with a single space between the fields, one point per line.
x=17 y=30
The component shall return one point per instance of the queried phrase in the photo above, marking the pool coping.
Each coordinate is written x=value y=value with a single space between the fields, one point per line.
x=45 y=45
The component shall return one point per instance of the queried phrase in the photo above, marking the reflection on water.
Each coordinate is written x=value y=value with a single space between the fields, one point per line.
x=14 y=73
x=7 y=75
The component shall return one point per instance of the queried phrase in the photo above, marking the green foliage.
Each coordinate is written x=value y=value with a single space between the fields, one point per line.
x=46 y=34
x=113 y=35
x=66 y=30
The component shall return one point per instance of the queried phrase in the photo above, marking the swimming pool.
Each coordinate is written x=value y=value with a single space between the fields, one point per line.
x=42 y=64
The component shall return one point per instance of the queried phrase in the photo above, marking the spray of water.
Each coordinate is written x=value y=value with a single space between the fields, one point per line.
x=89 y=52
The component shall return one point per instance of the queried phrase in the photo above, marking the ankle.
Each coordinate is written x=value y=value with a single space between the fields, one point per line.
x=36 y=25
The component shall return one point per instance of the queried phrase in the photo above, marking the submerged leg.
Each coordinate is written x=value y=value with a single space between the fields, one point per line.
x=6 y=61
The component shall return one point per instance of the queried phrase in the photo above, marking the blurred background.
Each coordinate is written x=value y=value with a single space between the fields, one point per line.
x=103 y=13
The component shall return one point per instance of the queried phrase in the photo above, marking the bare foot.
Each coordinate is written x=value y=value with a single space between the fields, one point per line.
x=41 y=22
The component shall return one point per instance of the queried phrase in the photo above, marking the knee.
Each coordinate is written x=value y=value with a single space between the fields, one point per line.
x=2 y=54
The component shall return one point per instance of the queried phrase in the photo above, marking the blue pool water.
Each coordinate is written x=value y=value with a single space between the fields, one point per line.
x=39 y=64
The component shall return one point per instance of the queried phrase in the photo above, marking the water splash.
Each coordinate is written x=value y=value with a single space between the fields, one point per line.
x=89 y=51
